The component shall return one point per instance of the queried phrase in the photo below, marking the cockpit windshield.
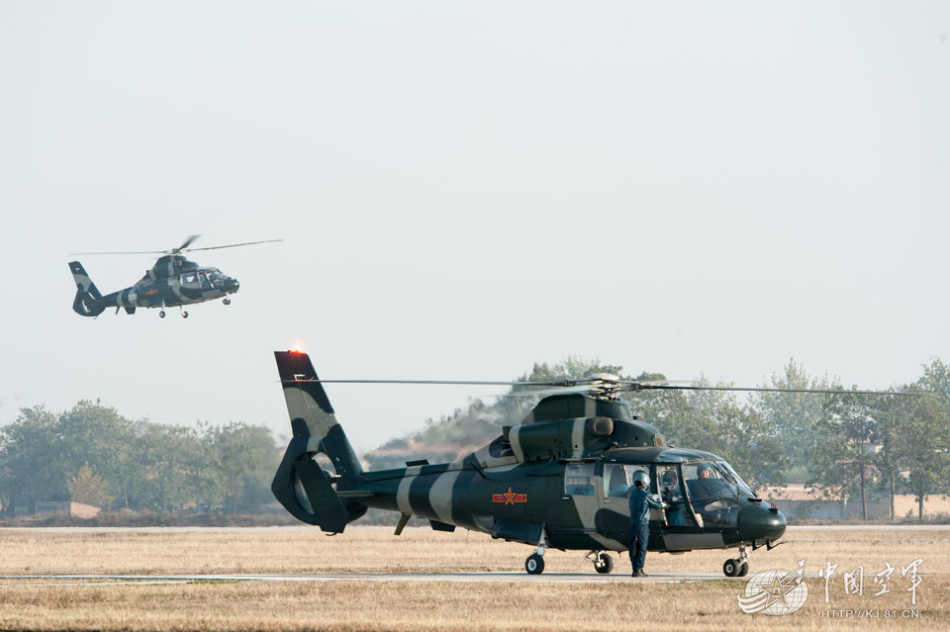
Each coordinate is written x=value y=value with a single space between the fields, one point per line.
x=714 y=489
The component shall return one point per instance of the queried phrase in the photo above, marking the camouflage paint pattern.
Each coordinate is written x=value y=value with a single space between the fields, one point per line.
x=173 y=281
x=521 y=487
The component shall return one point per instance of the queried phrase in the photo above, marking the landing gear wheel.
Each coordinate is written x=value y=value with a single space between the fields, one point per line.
x=161 y=314
x=226 y=301
x=603 y=563
x=743 y=570
x=184 y=314
x=731 y=568
x=534 y=564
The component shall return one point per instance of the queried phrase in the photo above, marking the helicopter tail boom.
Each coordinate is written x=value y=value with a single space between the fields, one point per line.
x=302 y=484
x=88 y=301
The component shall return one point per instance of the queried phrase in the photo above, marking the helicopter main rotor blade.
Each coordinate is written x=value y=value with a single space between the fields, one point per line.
x=435 y=382
x=638 y=386
x=247 y=243
x=184 y=246
x=175 y=251
x=130 y=252
x=598 y=387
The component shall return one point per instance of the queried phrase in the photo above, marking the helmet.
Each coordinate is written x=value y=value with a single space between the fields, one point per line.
x=641 y=477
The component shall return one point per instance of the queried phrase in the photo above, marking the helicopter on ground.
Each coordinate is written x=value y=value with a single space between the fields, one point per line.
x=173 y=281
x=558 y=480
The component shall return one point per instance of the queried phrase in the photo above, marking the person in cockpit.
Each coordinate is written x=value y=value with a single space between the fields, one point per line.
x=673 y=496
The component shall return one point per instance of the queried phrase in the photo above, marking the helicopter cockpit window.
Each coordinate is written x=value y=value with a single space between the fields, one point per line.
x=713 y=492
x=616 y=482
x=708 y=481
x=618 y=479
x=579 y=479
x=740 y=484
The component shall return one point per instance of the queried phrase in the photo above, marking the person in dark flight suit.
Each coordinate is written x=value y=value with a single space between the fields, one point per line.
x=640 y=503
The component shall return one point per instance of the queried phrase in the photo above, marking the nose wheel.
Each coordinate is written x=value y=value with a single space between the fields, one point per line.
x=227 y=300
x=738 y=567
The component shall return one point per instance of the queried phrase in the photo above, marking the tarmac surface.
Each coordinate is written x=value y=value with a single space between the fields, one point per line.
x=141 y=580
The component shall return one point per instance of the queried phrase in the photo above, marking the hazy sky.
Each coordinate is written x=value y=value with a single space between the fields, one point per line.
x=466 y=188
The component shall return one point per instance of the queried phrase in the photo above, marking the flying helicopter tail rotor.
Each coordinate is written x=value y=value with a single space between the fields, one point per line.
x=89 y=300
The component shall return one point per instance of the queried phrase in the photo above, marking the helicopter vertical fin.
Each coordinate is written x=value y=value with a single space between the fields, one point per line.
x=88 y=301
x=315 y=431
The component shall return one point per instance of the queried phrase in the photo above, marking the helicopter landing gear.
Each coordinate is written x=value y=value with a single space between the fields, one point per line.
x=184 y=313
x=161 y=314
x=738 y=567
x=603 y=562
x=535 y=562
x=227 y=300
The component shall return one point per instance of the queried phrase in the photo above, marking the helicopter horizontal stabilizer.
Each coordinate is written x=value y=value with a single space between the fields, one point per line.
x=328 y=510
x=441 y=526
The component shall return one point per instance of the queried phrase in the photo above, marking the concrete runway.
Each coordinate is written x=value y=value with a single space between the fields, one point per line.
x=569 y=578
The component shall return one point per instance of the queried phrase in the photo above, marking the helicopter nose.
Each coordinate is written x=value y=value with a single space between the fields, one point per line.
x=232 y=286
x=757 y=522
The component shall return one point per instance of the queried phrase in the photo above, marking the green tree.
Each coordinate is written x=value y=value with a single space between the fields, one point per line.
x=94 y=433
x=792 y=417
x=30 y=460
x=925 y=434
x=245 y=456
x=843 y=454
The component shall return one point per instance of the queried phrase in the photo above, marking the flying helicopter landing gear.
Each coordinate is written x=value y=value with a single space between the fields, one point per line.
x=535 y=562
x=738 y=567
x=161 y=314
x=184 y=313
x=227 y=300
x=603 y=562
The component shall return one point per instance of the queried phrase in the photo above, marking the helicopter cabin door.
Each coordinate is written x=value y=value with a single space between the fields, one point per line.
x=615 y=482
x=579 y=507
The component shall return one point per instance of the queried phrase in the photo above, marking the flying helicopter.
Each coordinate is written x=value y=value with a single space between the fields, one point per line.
x=173 y=281
x=558 y=480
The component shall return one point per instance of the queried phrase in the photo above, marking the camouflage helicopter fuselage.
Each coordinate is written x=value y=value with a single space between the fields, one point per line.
x=173 y=281
x=559 y=479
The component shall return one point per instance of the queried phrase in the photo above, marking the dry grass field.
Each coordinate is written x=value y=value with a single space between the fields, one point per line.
x=621 y=603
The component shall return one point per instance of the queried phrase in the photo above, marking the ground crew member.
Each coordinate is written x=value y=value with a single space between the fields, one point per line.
x=640 y=503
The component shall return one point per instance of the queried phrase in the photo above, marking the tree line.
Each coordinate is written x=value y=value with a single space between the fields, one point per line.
x=844 y=444
x=92 y=454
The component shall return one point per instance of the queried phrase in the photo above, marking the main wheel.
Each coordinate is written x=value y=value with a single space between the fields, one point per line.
x=743 y=570
x=731 y=568
x=604 y=563
x=184 y=314
x=161 y=314
x=534 y=564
